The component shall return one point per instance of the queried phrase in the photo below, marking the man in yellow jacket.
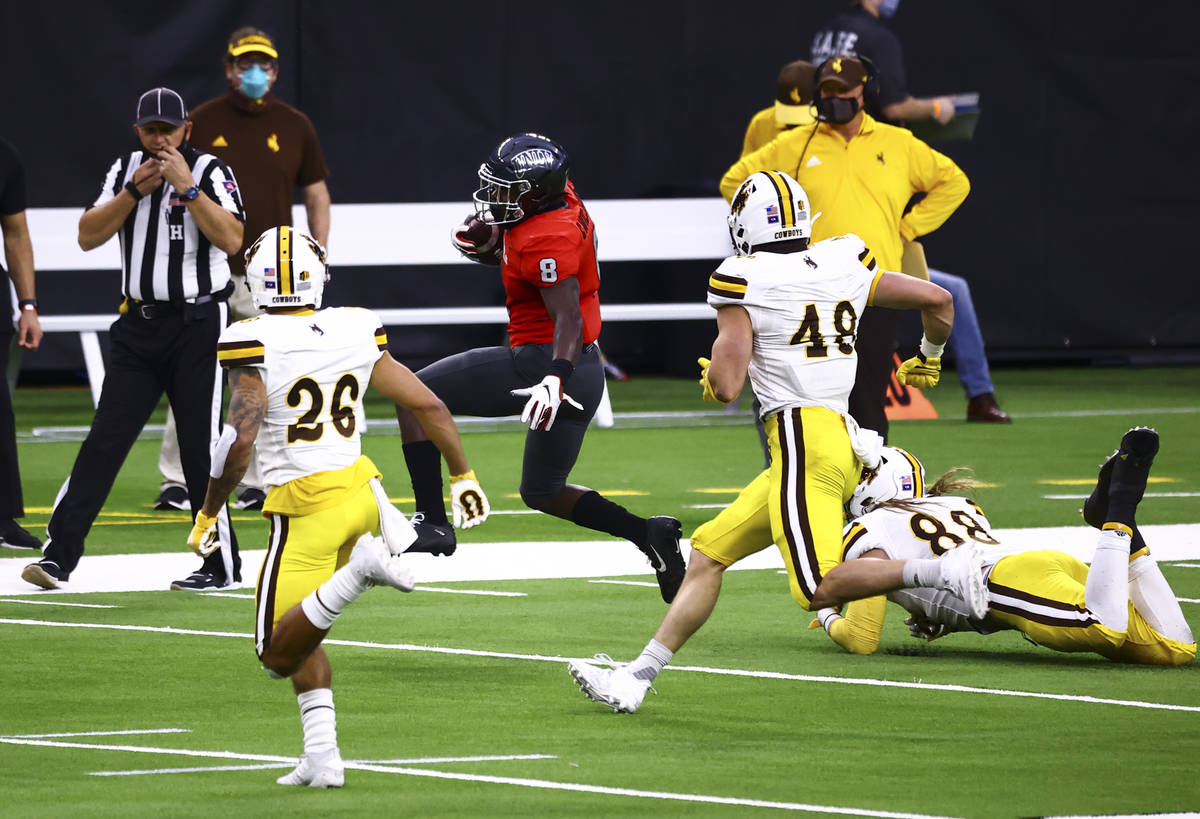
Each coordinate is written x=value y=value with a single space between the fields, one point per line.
x=860 y=174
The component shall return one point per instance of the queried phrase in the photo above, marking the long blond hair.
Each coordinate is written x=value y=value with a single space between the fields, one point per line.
x=957 y=480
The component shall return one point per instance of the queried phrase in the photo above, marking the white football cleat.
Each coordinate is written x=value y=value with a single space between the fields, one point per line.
x=615 y=687
x=374 y=562
x=962 y=573
x=328 y=772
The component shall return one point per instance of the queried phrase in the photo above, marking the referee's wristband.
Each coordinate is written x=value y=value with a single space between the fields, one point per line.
x=133 y=191
x=28 y=304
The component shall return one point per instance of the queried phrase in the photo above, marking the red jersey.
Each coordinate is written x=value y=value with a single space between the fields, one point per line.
x=542 y=251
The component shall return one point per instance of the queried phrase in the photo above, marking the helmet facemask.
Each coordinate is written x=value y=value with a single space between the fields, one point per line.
x=501 y=201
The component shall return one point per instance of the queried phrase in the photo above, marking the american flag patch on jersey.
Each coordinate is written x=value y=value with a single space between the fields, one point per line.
x=772 y=215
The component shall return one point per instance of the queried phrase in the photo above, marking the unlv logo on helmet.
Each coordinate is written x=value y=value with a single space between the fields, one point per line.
x=533 y=158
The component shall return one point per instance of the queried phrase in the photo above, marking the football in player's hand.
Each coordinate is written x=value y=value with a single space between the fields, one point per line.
x=478 y=240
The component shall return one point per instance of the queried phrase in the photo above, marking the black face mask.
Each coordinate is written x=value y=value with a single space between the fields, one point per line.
x=837 y=110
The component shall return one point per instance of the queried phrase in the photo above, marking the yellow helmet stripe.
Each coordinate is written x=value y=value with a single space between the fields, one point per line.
x=787 y=208
x=285 y=261
x=918 y=480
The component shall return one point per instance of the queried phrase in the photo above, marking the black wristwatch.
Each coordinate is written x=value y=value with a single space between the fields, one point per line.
x=190 y=194
x=28 y=304
x=133 y=191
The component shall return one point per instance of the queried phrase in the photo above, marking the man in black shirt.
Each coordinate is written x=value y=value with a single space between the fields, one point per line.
x=18 y=253
x=858 y=31
x=178 y=214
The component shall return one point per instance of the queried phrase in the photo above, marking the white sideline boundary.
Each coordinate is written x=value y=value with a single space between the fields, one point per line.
x=486 y=562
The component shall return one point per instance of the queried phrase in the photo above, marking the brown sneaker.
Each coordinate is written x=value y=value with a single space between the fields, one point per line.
x=984 y=409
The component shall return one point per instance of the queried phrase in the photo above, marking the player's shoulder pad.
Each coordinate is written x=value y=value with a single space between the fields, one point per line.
x=240 y=345
x=849 y=247
x=729 y=282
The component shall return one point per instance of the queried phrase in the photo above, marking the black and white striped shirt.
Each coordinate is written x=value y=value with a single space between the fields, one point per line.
x=164 y=256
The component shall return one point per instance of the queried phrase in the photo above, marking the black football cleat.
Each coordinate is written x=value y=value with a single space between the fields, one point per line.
x=1122 y=478
x=203 y=580
x=173 y=497
x=662 y=550
x=434 y=538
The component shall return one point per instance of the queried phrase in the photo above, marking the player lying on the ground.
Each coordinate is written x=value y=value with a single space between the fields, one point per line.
x=298 y=375
x=1051 y=597
x=787 y=315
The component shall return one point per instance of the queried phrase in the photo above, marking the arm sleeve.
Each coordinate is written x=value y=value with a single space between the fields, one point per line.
x=113 y=183
x=312 y=163
x=944 y=184
x=219 y=184
x=889 y=62
x=858 y=631
x=237 y=347
x=548 y=258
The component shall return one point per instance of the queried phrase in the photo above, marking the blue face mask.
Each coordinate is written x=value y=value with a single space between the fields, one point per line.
x=887 y=8
x=254 y=82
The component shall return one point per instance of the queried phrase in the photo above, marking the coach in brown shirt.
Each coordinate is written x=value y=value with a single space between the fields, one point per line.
x=273 y=150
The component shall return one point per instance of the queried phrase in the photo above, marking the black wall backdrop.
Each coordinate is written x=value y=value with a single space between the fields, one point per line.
x=1084 y=179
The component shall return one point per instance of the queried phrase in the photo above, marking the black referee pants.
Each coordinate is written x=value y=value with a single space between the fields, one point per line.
x=12 y=504
x=176 y=354
x=876 y=344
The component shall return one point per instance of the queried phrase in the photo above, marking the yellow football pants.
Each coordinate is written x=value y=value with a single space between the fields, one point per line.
x=797 y=503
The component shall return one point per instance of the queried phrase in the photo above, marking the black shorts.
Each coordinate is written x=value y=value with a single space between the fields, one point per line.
x=479 y=382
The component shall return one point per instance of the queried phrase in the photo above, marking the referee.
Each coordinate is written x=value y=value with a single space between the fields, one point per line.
x=177 y=213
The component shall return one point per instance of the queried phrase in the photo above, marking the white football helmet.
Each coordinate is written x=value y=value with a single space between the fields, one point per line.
x=899 y=476
x=769 y=206
x=286 y=268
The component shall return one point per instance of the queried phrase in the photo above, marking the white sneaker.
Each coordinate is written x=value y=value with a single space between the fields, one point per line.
x=962 y=573
x=373 y=561
x=615 y=687
x=327 y=772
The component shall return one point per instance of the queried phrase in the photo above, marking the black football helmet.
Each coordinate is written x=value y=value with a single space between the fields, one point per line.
x=523 y=176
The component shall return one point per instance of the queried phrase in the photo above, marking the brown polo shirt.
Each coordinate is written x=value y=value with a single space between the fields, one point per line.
x=272 y=148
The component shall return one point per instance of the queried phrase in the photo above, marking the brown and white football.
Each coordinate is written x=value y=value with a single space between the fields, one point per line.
x=479 y=240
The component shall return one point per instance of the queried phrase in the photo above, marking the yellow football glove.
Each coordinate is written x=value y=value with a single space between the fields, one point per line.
x=203 y=537
x=920 y=371
x=708 y=394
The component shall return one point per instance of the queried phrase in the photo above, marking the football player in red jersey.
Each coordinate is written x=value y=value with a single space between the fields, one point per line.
x=551 y=373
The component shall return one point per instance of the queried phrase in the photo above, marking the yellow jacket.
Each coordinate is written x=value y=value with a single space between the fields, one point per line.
x=862 y=186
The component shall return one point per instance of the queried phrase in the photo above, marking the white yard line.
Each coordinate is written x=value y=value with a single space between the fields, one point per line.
x=130 y=732
x=541 y=784
x=56 y=603
x=483 y=592
x=627 y=583
x=732 y=672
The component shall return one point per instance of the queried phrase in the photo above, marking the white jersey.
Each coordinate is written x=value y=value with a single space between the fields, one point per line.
x=316 y=367
x=931 y=527
x=804 y=308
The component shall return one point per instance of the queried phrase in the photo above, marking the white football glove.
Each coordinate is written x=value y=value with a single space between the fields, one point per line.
x=203 y=537
x=922 y=629
x=469 y=504
x=544 y=399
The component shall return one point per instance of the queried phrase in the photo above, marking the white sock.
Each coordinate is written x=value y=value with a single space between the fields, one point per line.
x=319 y=721
x=653 y=659
x=921 y=573
x=1106 y=592
x=326 y=604
x=1155 y=601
